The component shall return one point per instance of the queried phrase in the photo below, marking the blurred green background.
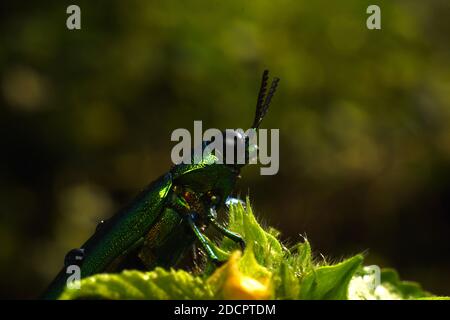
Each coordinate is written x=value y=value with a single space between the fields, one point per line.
x=86 y=118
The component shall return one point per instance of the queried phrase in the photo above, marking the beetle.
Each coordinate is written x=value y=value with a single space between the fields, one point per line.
x=167 y=217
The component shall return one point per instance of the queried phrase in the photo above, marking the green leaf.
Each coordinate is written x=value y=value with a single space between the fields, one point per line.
x=286 y=282
x=303 y=259
x=330 y=282
x=434 y=298
x=157 y=284
x=293 y=266
x=265 y=270
x=249 y=266
x=404 y=289
x=267 y=249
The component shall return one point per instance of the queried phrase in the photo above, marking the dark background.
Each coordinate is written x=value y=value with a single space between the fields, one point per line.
x=86 y=118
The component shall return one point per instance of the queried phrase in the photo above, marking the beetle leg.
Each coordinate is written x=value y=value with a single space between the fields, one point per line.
x=201 y=238
x=224 y=231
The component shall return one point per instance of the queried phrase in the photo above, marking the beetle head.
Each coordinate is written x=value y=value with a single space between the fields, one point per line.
x=208 y=174
x=245 y=140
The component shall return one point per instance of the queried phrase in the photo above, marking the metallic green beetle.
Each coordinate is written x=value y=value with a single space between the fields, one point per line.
x=163 y=222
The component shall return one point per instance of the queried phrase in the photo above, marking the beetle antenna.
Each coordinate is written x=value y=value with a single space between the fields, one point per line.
x=263 y=103
x=263 y=89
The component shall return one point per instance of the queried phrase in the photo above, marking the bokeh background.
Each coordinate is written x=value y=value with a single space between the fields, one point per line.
x=86 y=118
